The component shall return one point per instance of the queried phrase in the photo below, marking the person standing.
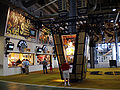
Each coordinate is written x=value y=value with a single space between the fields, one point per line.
x=26 y=64
x=65 y=69
x=23 y=67
x=18 y=62
x=45 y=66
x=51 y=70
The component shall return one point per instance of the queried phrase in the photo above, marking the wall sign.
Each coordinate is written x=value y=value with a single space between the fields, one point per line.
x=22 y=45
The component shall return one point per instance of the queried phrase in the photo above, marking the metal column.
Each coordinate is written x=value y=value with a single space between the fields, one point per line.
x=72 y=14
x=116 y=37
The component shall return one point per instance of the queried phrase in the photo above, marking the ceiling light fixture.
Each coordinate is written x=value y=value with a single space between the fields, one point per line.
x=113 y=10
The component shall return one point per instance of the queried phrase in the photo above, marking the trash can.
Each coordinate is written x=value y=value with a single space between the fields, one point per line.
x=112 y=63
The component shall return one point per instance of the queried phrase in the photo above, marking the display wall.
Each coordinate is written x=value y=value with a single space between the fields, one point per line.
x=19 y=40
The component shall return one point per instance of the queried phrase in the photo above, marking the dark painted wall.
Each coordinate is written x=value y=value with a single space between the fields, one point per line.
x=3 y=18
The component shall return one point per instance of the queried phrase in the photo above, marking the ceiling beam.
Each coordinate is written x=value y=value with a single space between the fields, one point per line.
x=48 y=12
x=55 y=5
x=28 y=3
x=52 y=9
x=45 y=5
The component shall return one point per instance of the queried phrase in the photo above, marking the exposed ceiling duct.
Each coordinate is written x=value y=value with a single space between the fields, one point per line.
x=92 y=4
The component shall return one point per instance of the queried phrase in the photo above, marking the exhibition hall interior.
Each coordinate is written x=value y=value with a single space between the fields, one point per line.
x=84 y=33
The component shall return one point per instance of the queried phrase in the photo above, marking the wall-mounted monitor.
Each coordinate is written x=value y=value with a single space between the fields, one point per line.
x=33 y=33
x=39 y=50
x=10 y=46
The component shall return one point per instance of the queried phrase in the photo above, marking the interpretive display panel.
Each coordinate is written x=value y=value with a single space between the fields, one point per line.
x=69 y=47
x=19 y=26
x=40 y=58
x=45 y=36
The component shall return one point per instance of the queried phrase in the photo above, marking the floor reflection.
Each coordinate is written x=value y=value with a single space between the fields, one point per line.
x=17 y=86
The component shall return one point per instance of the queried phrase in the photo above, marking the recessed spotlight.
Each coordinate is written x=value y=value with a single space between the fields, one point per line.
x=113 y=10
x=111 y=20
x=116 y=24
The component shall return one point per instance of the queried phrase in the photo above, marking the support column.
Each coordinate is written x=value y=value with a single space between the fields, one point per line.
x=116 y=45
x=92 y=61
x=72 y=14
x=116 y=37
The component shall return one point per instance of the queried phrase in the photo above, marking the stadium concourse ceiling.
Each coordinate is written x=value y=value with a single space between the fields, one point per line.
x=41 y=8
x=100 y=15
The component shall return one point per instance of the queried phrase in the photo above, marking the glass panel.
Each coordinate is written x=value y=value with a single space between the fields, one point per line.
x=69 y=47
x=15 y=59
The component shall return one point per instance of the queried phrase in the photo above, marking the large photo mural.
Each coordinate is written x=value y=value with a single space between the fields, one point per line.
x=45 y=36
x=19 y=26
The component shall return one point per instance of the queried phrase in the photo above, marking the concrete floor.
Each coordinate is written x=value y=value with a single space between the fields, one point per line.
x=4 y=85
